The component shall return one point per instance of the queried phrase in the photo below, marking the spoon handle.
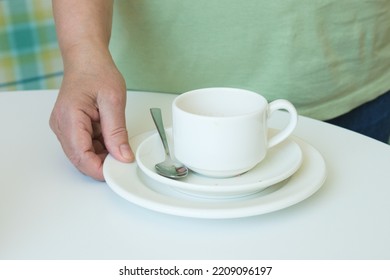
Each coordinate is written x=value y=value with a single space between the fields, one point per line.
x=158 y=121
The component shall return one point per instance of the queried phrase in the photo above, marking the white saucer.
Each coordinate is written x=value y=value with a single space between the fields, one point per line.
x=281 y=162
x=127 y=181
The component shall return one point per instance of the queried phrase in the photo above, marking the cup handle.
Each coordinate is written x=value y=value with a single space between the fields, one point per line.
x=282 y=104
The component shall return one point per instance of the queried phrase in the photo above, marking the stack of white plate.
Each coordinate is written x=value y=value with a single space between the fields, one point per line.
x=291 y=172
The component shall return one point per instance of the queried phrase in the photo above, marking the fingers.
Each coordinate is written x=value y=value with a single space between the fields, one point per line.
x=113 y=125
x=91 y=164
x=75 y=133
x=87 y=133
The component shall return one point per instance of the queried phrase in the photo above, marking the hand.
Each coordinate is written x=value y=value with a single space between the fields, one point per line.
x=89 y=118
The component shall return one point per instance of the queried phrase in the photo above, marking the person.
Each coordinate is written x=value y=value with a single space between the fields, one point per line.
x=328 y=57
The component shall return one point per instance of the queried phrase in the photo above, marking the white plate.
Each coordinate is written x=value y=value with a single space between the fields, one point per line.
x=126 y=180
x=281 y=162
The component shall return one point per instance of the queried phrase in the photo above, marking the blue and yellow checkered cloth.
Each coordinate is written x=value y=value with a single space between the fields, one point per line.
x=29 y=52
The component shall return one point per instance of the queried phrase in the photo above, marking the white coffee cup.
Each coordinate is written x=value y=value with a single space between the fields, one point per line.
x=223 y=132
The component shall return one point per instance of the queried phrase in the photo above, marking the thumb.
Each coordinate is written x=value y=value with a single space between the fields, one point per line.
x=113 y=124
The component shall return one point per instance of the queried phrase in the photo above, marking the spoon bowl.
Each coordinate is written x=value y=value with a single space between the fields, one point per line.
x=169 y=167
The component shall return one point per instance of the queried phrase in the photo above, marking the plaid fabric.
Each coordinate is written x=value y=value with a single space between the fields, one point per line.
x=29 y=53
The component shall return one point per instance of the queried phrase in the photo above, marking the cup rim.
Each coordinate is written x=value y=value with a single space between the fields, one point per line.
x=243 y=115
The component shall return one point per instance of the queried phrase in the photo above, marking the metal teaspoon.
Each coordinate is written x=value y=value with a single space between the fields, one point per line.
x=168 y=168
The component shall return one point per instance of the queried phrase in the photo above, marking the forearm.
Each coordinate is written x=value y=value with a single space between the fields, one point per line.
x=83 y=29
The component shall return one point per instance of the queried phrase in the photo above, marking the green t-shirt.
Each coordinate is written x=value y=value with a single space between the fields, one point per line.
x=325 y=56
